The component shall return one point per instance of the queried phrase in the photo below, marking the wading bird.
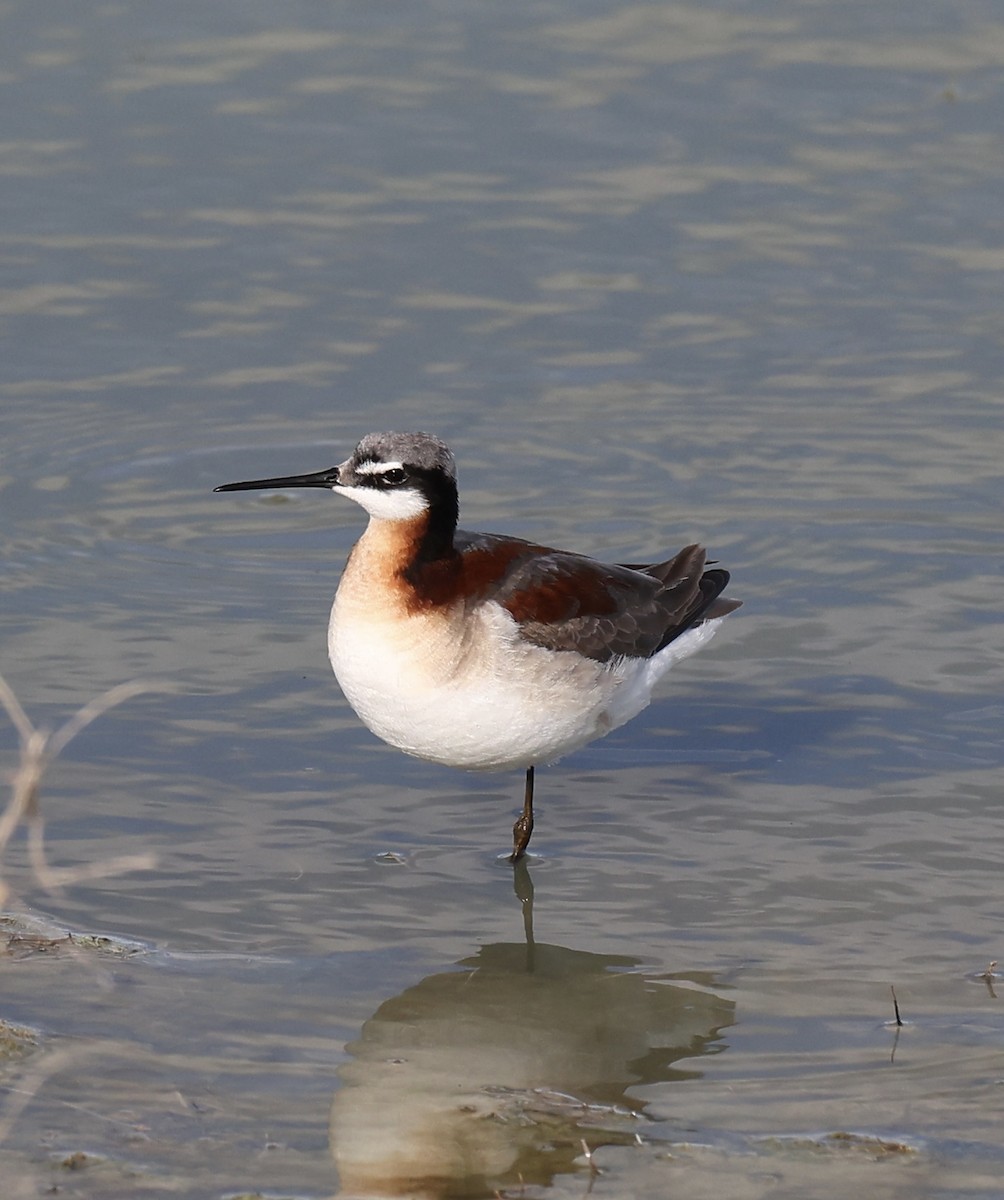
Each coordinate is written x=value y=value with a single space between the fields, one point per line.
x=488 y=652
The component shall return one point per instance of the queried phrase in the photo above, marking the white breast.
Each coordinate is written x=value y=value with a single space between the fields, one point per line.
x=461 y=687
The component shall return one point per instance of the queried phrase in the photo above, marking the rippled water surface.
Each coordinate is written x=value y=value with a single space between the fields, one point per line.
x=658 y=273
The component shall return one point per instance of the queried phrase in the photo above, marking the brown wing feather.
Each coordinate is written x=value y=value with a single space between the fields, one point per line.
x=566 y=601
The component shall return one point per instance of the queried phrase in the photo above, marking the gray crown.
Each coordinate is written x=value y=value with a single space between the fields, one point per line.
x=412 y=449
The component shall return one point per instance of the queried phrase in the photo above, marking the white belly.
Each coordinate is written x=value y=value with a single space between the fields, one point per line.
x=466 y=690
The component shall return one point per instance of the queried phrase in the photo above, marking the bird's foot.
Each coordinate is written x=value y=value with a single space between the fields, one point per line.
x=521 y=834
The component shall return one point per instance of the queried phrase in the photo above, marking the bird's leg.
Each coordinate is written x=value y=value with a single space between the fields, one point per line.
x=523 y=829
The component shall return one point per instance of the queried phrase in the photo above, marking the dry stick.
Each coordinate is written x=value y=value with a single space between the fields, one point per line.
x=38 y=750
x=588 y=1154
x=899 y=1025
x=895 y=1007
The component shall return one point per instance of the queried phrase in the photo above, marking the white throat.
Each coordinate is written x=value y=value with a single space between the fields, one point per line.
x=403 y=504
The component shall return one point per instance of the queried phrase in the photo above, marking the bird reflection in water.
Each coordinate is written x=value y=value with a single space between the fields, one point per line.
x=491 y=1075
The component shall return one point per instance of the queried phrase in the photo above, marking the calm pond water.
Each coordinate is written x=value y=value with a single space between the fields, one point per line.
x=658 y=273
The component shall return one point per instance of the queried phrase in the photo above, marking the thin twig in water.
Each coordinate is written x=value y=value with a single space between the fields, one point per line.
x=895 y=1007
x=38 y=750
x=898 y=1023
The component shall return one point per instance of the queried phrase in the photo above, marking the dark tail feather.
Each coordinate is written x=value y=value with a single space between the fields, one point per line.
x=684 y=574
x=714 y=604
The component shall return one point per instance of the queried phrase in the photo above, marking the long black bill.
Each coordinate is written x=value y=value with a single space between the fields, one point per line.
x=320 y=479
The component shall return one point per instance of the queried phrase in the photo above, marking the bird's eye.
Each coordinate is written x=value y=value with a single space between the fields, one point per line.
x=394 y=476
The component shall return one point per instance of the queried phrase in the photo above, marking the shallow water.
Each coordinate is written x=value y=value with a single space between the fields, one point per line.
x=658 y=274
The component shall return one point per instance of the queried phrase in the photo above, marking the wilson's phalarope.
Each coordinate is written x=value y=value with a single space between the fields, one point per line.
x=489 y=652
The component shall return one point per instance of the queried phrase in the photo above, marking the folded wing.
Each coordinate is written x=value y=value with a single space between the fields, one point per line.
x=565 y=601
